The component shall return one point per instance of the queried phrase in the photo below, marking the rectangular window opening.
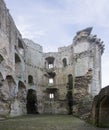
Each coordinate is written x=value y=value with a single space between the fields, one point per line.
x=51 y=95
x=50 y=66
x=51 y=80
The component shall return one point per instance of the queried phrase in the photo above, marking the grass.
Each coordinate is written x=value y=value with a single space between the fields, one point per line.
x=45 y=122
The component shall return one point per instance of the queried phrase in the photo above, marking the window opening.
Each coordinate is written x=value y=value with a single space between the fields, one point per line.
x=50 y=66
x=64 y=62
x=51 y=95
x=51 y=80
x=30 y=79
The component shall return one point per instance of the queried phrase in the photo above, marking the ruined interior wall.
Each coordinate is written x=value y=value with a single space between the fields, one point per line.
x=34 y=67
x=80 y=63
x=33 y=61
x=4 y=43
x=89 y=59
x=59 y=103
x=8 y=47
x=62 y=75
x=83 y=67
x=87 y=66
x=8 y=39
x=96 y=83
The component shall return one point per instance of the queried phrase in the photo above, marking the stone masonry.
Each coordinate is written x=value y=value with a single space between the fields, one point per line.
x=32 y=81
x=100 y=108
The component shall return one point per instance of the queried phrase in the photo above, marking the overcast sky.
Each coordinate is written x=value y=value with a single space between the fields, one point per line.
x=54 y=23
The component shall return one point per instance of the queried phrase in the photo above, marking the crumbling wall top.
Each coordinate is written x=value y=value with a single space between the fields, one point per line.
x=85 y=32
x=33 y=45
x=85 y=35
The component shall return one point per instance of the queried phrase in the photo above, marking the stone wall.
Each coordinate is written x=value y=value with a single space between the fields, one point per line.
x=12 y=67
x=100 y=108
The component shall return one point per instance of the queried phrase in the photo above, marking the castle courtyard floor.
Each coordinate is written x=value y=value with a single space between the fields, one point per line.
x=46 y=122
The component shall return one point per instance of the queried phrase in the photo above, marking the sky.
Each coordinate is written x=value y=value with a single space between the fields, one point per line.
x=54 y=23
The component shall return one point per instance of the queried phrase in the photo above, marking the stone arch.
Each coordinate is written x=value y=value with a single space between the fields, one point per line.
x=18 y=106
x=18 y=65
x=104 y=112
x=32 y=102
x=64 y=62
x=12 y=86
x=21 y=91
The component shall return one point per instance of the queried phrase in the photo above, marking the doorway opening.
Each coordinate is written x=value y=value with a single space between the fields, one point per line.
x=70 y=94
x=32 y=102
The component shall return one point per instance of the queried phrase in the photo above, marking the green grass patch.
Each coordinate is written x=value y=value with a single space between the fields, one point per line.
x=44 y=122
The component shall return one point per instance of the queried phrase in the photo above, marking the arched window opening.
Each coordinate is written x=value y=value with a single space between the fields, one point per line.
x=64 y=62
x=17 y=58
x=20 y=47
x=50 y=61
x=30 y=79
x=18 y=66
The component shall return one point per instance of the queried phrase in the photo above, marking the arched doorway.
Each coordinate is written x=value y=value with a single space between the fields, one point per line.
x=31 y=102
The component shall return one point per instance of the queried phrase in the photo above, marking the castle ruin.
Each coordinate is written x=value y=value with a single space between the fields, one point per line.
x=32 y=81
